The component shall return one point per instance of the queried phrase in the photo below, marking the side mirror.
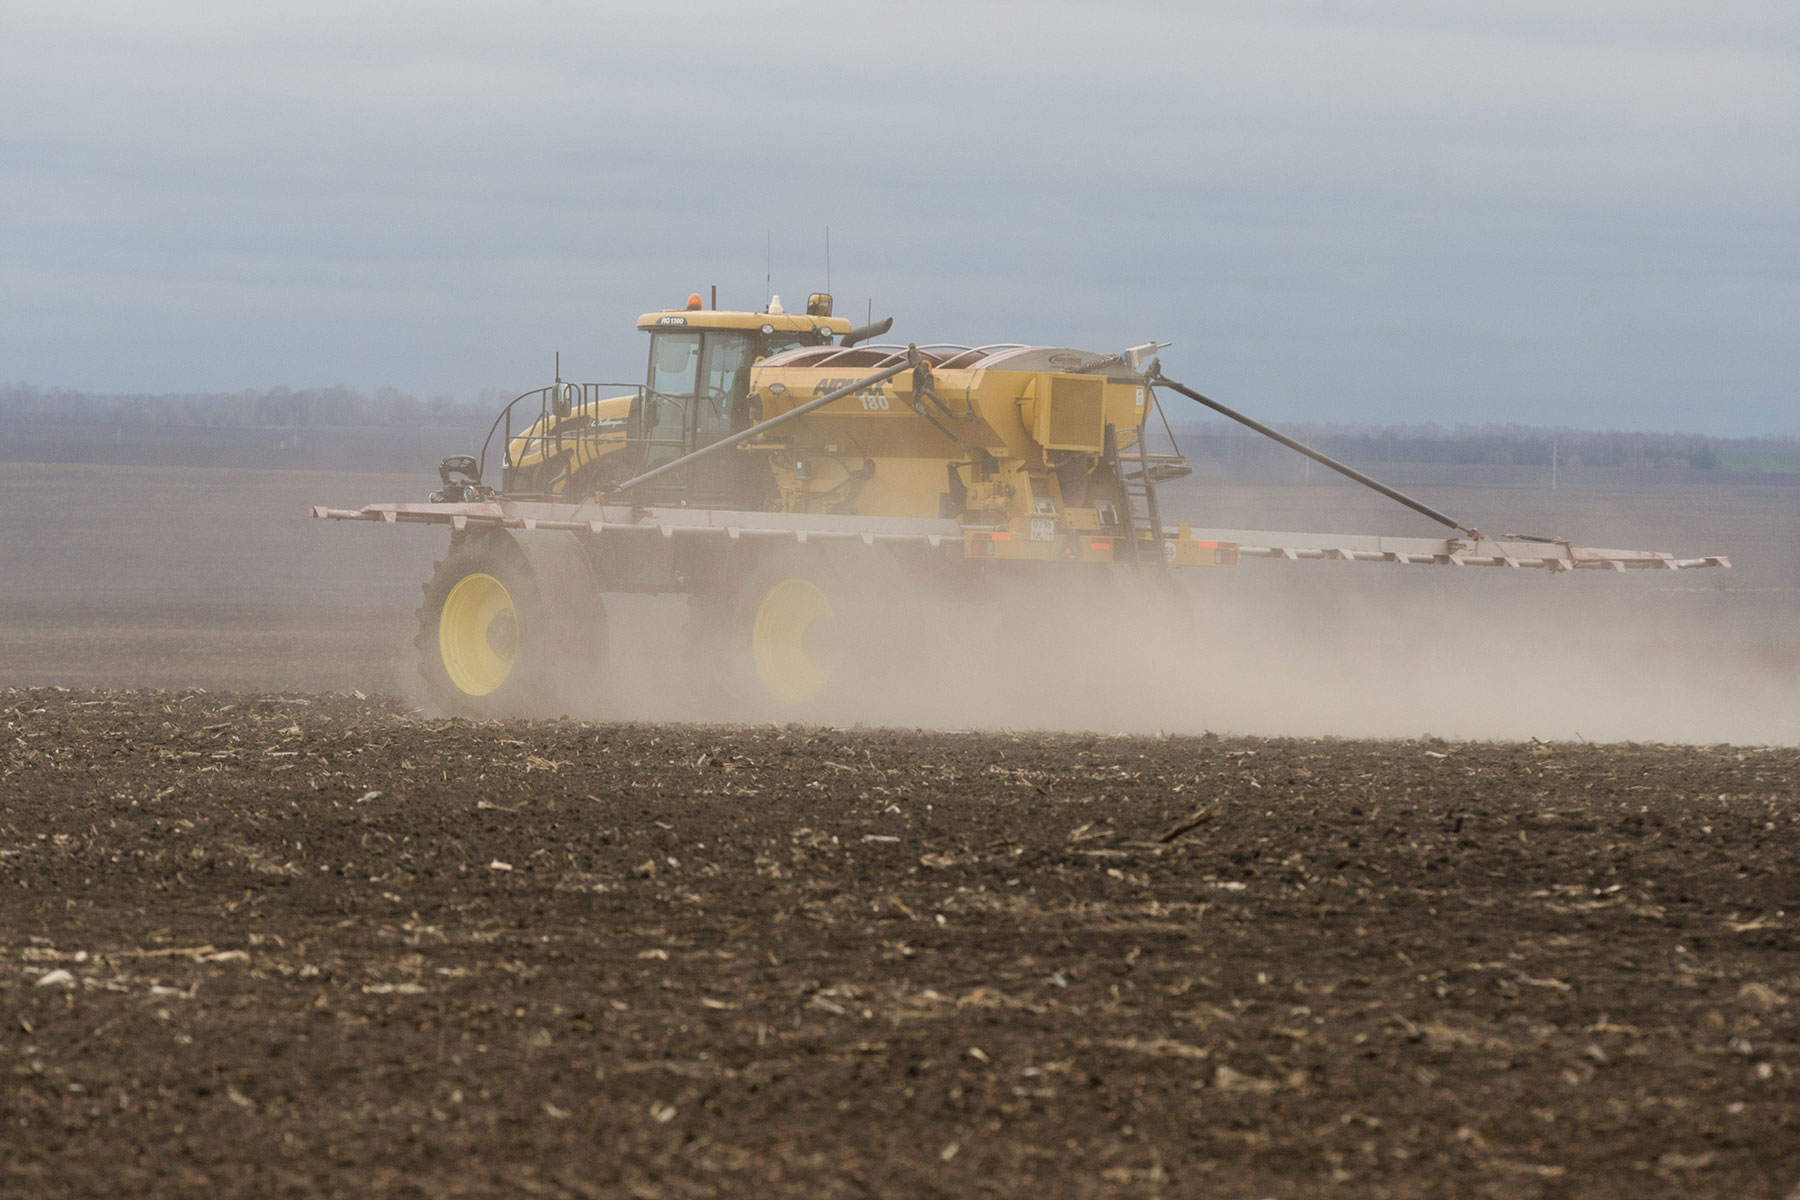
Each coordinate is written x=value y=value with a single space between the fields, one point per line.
x=562 y=400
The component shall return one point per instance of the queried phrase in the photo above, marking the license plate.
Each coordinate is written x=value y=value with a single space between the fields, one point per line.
x=1043 y=529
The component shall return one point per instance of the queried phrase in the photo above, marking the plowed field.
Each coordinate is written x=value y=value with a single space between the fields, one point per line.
x=258 y=945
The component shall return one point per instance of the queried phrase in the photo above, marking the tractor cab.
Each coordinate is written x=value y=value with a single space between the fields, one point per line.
x=696 y=392
x=568 y=440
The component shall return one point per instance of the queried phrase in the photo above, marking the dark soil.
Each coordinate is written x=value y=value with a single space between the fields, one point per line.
x=309 y=946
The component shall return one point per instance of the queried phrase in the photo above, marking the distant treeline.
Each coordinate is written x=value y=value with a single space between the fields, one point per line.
x=1505 y=445
x=1502 y=445
x=277 y=408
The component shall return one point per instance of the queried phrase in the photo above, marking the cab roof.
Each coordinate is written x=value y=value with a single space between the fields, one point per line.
x=714 y=318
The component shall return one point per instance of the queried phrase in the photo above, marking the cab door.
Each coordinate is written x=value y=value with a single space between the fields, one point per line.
x=669 y=397
x=664 y=427
x=720 y=410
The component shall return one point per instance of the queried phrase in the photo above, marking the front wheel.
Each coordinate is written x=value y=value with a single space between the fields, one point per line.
x=508 y=630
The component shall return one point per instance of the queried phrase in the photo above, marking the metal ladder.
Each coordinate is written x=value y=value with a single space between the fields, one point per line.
x=1137 y=494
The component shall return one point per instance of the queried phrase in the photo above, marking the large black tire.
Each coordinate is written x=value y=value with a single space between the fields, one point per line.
x=509 y=629
x=806 y=632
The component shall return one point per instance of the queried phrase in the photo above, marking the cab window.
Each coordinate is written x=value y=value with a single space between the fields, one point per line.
x=675 y=362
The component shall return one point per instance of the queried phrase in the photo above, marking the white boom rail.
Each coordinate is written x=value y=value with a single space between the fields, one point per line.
x=948 y=534
x=1545 y=554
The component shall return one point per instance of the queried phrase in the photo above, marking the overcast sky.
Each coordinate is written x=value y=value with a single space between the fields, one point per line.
x=1390 y=211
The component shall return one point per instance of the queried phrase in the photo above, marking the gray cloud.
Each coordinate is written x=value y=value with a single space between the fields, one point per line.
x=1359 y=212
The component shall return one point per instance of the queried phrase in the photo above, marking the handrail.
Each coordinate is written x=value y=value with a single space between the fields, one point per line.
x=586 y=394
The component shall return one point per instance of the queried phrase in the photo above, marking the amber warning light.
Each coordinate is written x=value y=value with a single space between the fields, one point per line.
x=693 y=301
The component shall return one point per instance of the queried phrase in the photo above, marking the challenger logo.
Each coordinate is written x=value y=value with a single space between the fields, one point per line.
x=874 y=398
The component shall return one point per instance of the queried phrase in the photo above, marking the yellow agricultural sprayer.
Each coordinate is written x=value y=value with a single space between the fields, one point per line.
x=808 y=489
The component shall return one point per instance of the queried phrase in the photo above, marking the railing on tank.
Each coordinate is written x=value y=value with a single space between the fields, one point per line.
x=537 y=419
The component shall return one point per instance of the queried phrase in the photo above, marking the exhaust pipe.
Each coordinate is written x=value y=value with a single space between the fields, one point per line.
x=863 y=333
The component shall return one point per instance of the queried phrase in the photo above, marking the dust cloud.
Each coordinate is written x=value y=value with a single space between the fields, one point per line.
x=133 y=577
x=1358 y=649
x=1446 y=662
x=1290 y=657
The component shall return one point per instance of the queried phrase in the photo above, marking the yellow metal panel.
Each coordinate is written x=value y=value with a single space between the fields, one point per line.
x=531 y=446
x=1004 y=428
x=1075 y=416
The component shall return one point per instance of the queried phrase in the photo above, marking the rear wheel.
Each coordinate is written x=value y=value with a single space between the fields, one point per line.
x=805 y=632
x=506 y=631
x=794 y=644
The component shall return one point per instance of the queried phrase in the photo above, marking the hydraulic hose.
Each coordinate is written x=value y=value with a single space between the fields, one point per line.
x=1154 y=377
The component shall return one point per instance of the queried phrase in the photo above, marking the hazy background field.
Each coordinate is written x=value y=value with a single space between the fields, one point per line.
x=178 y=576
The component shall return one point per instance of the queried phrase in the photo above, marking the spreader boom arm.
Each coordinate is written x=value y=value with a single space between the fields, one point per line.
x=1454 y=552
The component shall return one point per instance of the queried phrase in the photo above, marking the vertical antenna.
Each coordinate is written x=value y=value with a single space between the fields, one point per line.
x=769 y=268
x=828 y=259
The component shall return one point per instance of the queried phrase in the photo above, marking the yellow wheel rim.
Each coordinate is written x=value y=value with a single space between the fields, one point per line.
x=784 y=637
x=478 y=634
